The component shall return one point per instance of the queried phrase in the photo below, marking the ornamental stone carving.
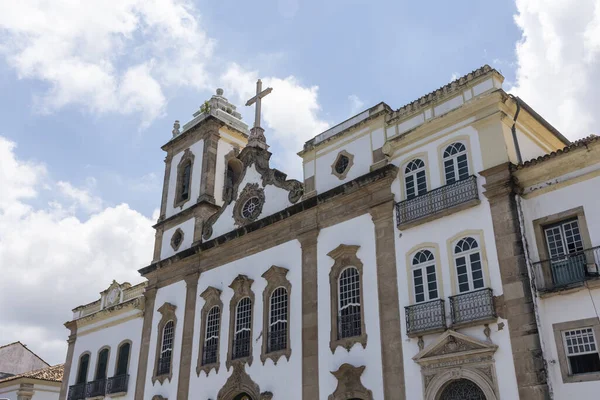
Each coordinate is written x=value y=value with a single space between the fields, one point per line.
x=239 y=382
x=177 y=239
x=249 y=204
x=349 y=385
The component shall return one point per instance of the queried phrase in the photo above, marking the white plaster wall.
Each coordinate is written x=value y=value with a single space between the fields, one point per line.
x=360 y=148
x=111 y=336
x=439 y=231
x=223 y=148
x=10 y=392
x=196 y=149
x=174 y=294
x=187 y=227
x=529 y=149
x=569 y=306
x=283 y=380
x=358 y=231
x=45 y=392
x=276 y=199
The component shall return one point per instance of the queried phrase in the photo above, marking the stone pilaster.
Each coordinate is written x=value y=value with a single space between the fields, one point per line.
x=158 y=236
x=209 y=165
x=25 y=391
x=310 y=323
x=165 y=193
x=518 y=307
x=64 y=387
x=389 y=306
x=140 y=383
x=185 y=362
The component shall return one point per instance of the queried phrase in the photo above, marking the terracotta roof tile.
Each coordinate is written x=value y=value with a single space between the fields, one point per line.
x=576 y=144
x=53 y=374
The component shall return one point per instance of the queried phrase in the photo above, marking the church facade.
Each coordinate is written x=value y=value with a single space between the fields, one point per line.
x=400 y=268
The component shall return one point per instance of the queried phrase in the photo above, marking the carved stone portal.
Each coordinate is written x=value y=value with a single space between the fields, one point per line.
x=239 y=382
x=349 y=385
x=454 y=356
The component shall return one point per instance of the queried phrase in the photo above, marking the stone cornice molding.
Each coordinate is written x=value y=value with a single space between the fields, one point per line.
x=345 y=256
x=118 y=309
x=499 y=182
x=276 y=277
x=212 y=298
x=349 y=385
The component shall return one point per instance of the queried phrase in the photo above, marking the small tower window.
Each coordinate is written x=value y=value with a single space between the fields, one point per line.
x=184 y=179
x=185 y=182
x=232 y=175
x=342 y=164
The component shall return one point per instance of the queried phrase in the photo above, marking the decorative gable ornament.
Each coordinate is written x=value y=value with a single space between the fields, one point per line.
x=112 y=295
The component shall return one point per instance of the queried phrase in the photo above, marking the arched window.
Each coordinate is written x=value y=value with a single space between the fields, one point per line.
x=82 y=371
x=211 y=338
x=349 y=317
x=184 y=179
x=243 y=325
x=278 y=320
x=414 y=178
x=469 y=270
x=424 y=276
x=456 y=164
x=232 y=175
x=102 y=364
x=184 y=194
x=123 y=359
x=166 y=349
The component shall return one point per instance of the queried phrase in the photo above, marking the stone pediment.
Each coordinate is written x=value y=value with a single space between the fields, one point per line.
x=267 y=188
x=452 y=345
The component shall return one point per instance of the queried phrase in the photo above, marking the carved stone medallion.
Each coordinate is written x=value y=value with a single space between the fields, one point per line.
x=249 y=204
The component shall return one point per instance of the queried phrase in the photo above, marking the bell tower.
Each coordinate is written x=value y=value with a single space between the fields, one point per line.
x=200 y=165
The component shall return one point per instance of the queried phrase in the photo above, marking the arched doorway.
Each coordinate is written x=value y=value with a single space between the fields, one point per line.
x=462 y=389
x=242 y=396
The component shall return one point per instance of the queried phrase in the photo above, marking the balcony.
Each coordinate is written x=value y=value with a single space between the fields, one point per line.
x=76 y=392
x=117 y=385
x=423 y=318
x=566 y=272
x=472 y=307
x=95 y=388
x=437 y=203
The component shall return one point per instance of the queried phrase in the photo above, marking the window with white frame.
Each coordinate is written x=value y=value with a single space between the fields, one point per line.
x=424 y=276
x=581 y=350
x=243 y=326
x=211 y=339
x=349 y=317
x=415 y=181
x=166 y=350
x=469 y=268
x=278 y=320
x=456 y=164
x=563 y=238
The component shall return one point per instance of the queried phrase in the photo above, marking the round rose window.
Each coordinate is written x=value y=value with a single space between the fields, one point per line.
x=251 y=208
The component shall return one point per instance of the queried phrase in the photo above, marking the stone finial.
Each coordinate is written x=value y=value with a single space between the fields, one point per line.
x=176 y=127
x=219 y=92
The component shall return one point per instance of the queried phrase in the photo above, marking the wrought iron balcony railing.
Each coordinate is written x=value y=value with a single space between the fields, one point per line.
x=164 y=365
x=277 y=340
x=472 y=306
x=437 y=201
x=209 y=354
x=95 y=388
x=425 y=317
x=76 y=392
x=570 y=270
x=241 y=347
x=117 y=384
x=349 y=325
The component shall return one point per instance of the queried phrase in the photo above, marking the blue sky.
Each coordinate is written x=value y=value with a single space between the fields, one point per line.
x=89 y=94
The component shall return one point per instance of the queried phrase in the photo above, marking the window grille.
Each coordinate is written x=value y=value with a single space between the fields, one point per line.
x=211 y=340
x=349 y=318
x=243 y=324
x=278 y=320
x=582 y=351
x=424 y=276
x=164 y=362
x=469 y=270
x=251 y=208
x=414 y=178
x=456 y=164
x=342 y=164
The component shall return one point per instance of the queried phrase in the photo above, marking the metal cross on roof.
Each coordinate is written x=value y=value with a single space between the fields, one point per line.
x=257 y=137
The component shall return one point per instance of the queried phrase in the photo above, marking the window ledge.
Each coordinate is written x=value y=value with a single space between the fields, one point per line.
x=276 y=355
x=589 y=283
x=118 y=394
x=443 y=213
x=181 y=203
x=591 y=376
x=162 y=378
x=207 y=368
x=242 y=360
x=347 y=343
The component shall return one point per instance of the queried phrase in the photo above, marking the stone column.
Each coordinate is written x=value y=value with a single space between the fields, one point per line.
x=26 y=391
x=140 y=383
x=158 y=236
x=389 y=305
x=64 y=387
x=165 y=193
x=185 y=362
x=517 y=298
x=310 y=322
x=209 y=165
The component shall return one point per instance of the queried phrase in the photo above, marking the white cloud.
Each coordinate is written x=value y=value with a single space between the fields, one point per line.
x=356 y=104
x=559 y=62
x=106 y=55
x=52 y=261
x=290 y=113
